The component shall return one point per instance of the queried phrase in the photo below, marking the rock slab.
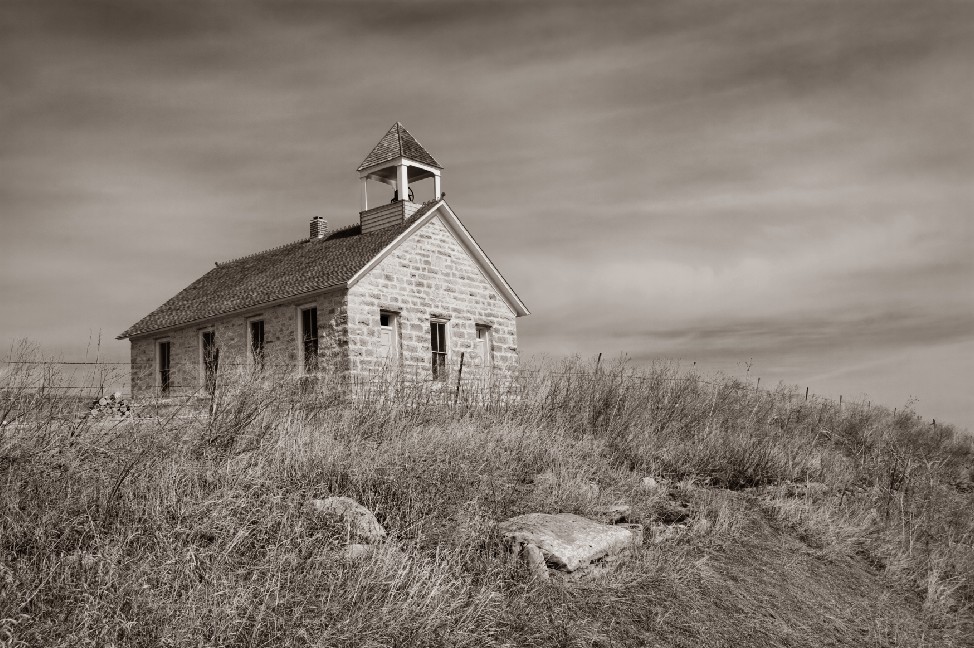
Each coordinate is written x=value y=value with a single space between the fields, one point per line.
x=568 y=542
x=649 y=483
x=359 y=520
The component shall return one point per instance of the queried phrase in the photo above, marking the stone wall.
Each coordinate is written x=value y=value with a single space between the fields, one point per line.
x=281 y=344
x=430 y=275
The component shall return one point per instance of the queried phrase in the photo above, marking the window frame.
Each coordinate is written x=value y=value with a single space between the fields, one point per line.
x=395 y=342
x=163 y=385
x=303 y=340
x=253 y=363
x=487 y=346
x=440 y=358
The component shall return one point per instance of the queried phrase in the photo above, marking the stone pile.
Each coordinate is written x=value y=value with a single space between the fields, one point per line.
x=563 y=546
x=110 y=406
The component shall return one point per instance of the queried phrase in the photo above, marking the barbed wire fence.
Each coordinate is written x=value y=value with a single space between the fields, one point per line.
x=88 y=380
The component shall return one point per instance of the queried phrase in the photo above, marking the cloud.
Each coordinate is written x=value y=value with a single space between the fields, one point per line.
x=784 y=181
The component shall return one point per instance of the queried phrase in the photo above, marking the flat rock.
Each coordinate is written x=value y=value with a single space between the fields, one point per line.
x=535 y=560
x=359 y=521
x=636 y=530
x=357 y=551
x=568 y=542
x=649 y=483
x=365 y=553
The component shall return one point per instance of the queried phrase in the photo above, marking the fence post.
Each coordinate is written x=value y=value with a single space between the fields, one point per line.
x=216 y=373
x=456 y=397
x=806 y=394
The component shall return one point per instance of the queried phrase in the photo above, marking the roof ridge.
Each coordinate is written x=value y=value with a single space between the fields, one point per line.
x=344 y=228
x=253 y=254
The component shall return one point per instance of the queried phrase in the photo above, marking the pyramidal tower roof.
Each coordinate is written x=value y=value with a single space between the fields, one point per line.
x=396 y=143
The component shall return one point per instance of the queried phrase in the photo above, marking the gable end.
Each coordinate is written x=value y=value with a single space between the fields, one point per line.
x=490 y=272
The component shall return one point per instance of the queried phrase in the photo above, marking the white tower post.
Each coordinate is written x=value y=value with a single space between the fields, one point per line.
x=402 y=182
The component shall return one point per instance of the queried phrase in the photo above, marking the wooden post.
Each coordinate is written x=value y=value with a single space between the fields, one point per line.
x=840 y=402
x=402 y=182
x=598 y=362
x=456 y=397
x=216 y=373
x=806 y=394
x=758 y=386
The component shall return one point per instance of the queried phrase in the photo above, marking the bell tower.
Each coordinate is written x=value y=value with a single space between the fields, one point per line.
x=397 y=160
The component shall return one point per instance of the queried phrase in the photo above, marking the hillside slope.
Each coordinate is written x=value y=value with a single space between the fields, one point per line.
x=775 y=521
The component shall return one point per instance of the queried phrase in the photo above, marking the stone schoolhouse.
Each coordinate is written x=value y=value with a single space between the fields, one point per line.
x=407 y=290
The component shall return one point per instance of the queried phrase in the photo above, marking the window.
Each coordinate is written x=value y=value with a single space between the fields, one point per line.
x=256 y=334
x=163 y=357
x=483 y=344
x=438 y=348
x=388 y=336
x=309 y=339
x=208 y=359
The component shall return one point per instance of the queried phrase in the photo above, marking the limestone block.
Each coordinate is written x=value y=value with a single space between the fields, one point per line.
x=649 y=483
x=535 y=560
x=568 y=542
x=357 y=551
x=359 y=521
x=637 y=532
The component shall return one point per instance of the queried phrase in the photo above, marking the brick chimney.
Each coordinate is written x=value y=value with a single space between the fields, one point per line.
x=319 y=227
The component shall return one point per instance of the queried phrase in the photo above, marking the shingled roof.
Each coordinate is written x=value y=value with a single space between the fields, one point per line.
x=396 y=143
x=288 y=271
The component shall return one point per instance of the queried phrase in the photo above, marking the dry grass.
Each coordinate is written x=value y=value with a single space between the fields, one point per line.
x=180 y=529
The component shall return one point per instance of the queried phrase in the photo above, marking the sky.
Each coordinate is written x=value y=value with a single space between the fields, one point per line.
x=771 y=189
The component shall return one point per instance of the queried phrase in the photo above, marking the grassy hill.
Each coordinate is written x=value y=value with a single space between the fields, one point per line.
x=776 y=521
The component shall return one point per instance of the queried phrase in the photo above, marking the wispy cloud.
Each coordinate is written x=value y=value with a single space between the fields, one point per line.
x=778 y=181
